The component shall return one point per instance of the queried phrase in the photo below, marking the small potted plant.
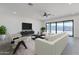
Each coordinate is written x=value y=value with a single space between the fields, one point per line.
x=42 y=29
x=2 y=32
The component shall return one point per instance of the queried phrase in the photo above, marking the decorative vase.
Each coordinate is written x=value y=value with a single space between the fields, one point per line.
x=2 y=37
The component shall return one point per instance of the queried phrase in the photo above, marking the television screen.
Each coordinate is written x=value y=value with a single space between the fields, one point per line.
x=26 y=26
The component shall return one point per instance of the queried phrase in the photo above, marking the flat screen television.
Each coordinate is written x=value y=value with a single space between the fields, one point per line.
x=26 y=26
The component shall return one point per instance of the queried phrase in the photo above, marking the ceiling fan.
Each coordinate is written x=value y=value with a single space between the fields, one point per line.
x=46 y=14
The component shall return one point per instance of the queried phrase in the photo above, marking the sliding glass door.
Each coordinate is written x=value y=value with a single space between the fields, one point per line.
x=53 y=27
x=59 y=27
x=68 y=27
x=48 y=27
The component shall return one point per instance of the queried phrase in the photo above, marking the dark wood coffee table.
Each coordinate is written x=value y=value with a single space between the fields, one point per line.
x=38 y=36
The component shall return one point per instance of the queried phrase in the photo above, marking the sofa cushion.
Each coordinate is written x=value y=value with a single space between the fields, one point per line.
x=52 y=37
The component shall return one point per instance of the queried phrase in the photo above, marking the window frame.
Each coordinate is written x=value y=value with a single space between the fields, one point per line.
x=63 y=26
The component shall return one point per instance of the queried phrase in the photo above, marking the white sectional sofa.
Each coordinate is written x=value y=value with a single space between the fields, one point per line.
x=53 y=46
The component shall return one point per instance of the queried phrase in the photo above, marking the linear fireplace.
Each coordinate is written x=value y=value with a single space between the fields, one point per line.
x=27 y=29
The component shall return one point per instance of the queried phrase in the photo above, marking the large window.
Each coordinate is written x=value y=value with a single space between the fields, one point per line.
x=59 y=27
x=48 y=27
x=53 y=27
x=68 y=27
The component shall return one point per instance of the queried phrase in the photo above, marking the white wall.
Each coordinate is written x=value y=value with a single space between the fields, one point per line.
x=76 y=23
x=14 y=24
x=11 y=22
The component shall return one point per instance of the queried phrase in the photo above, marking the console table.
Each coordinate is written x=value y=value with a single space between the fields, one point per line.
x=26 y=33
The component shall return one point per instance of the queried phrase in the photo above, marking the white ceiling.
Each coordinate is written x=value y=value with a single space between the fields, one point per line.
x=37 y=10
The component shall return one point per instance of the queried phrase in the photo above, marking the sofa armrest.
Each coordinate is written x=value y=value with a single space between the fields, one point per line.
x=45 y=41
x=44 y=47
x=54 y=47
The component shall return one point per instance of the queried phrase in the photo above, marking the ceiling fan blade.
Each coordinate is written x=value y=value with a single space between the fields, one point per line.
x=45 y=14
x=49 y=14
x=30 y=4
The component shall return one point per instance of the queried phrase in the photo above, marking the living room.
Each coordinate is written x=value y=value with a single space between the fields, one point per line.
x=54 y=17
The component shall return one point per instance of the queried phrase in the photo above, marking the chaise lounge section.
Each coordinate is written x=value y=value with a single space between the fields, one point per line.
x=53 y=46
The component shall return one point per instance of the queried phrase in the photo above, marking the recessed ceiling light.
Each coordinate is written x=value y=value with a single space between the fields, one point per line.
x=70 y=3
x=14 y=12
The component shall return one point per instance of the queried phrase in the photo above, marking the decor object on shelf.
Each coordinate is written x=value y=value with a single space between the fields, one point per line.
x=2 y=32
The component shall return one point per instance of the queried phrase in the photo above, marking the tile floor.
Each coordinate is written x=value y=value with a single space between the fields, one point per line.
x=72 y=47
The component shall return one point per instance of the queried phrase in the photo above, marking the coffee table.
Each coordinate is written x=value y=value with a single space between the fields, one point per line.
x=35 y=36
